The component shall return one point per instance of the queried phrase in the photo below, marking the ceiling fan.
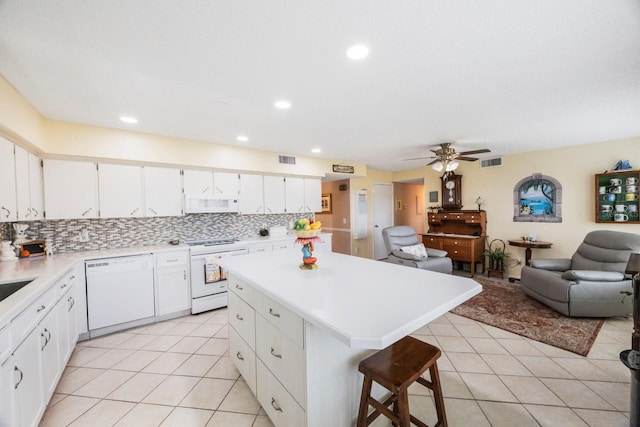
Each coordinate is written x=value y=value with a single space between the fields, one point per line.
x=447 y=158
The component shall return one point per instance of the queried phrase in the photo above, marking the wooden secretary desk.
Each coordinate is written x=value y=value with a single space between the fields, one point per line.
x=461 y=233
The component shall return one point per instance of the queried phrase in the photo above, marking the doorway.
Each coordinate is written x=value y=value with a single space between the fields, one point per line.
x=382 y=217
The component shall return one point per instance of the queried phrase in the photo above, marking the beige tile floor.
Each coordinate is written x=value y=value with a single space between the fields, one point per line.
x=178 y=373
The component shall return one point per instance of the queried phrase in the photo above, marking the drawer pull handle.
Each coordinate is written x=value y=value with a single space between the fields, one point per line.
x=15 y=368
x=239 y=356
x=273 y=313
x=239 y=317
x=72 y=302
x=274 y=354
x=64 y=285
x=42 y=307
x=238 y=287
x=275 y=405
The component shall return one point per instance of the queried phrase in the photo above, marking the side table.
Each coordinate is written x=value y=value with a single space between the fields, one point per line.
x=528 y=245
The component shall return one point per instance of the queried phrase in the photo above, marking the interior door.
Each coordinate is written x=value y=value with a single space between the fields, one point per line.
x=382 y=216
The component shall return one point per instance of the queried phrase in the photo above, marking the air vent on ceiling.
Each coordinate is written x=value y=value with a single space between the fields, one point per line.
x=287 y=160
x=489 y=163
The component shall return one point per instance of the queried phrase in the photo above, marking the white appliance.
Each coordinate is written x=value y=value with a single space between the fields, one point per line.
x=203 y=203
x=208 y=278
x=119 y=290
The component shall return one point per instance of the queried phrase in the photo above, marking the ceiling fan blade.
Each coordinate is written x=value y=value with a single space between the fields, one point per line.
x=466 y=159
x=433 y=161
x=420 y=158
x=484 y=150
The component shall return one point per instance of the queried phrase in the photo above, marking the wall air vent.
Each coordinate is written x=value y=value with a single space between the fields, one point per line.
x=287 y=160
x=489 y=163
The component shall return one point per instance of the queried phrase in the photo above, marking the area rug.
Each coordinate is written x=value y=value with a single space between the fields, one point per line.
x=505 y=306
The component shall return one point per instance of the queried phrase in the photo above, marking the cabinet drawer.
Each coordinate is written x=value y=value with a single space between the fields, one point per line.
x=243 y=318
x=277 y=403
x=63 y=285
x=168 y=259
x=278 y=246
x=243 y=358
x=244 y=291
x=282 y=318
x=458 y=252
x=24 y=322
x=432 y=242
x=284 y=358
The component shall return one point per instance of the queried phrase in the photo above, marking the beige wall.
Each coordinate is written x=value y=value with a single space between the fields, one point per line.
x=409 y=205
x=574 y=167
x=339 y=221
x=19 y=121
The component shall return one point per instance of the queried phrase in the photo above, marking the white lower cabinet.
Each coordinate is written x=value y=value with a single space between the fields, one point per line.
x=43 y=337
x=28 y=397
x=173 y=293
x=266 y=344
x=276 y=400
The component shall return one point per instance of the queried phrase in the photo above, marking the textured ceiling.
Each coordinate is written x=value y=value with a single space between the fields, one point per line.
x=511 y=76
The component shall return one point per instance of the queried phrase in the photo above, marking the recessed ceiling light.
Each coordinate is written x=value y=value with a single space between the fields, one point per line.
x=358 y=51
x=316 y=150
x=282 y=104
x=127 y=119
x=242 y=138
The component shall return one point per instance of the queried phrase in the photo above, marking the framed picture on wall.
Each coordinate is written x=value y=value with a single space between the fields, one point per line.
x=326 y=203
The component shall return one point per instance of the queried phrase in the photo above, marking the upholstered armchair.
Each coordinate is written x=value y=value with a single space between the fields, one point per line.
x=405 y=248
x=590 y=283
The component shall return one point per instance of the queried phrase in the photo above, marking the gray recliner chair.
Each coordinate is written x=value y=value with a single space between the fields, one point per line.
x=588 y=284
x=403 y=236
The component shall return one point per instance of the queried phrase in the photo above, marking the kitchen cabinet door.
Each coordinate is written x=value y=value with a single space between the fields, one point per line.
x=274 y=194
x=36 y=189
x=70 y=189
x=28 y=396
x=6 y=391
x=226 y=184
x=120 y=191
x=29 y=195
x=162 y=191
x=312 y=194
x=294 y=190
x=198 y=182
x=8 y=202
x=172 y=282
x=251 y=197
x=50 y=337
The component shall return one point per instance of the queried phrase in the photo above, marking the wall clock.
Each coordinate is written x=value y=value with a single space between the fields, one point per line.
x=452 y=192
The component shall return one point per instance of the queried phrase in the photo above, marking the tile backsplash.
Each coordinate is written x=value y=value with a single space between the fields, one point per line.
x=109 y=233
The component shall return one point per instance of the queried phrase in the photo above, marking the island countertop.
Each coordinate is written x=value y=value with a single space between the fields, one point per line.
x=364 y=303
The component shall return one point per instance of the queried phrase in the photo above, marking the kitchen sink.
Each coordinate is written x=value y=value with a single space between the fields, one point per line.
x=7 y=289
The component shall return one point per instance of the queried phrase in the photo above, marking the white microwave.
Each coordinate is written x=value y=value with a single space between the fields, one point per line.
x=202 y=203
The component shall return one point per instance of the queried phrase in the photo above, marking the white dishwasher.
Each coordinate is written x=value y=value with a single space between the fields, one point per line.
x=119 y=290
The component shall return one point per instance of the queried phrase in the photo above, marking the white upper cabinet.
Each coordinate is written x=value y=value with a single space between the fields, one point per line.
x=70 y=189
x=251 y=197
x=30 y=199
x=274 y=194
x=312 y=194
x=294 y=189
x=162 y=191
x=226 y=184
x=199 y=182
x=8 y=203
x=120 y=191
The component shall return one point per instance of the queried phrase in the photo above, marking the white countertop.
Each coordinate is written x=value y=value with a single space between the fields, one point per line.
x=364 y=303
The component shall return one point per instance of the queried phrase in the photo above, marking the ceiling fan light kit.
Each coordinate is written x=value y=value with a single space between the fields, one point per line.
x=447 y=159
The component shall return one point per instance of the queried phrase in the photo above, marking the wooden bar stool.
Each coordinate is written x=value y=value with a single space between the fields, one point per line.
x=396 y=368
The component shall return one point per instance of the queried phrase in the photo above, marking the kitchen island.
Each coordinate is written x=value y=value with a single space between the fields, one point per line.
x=297 y=336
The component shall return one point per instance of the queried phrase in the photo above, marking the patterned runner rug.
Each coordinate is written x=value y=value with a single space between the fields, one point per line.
x=505 y=306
